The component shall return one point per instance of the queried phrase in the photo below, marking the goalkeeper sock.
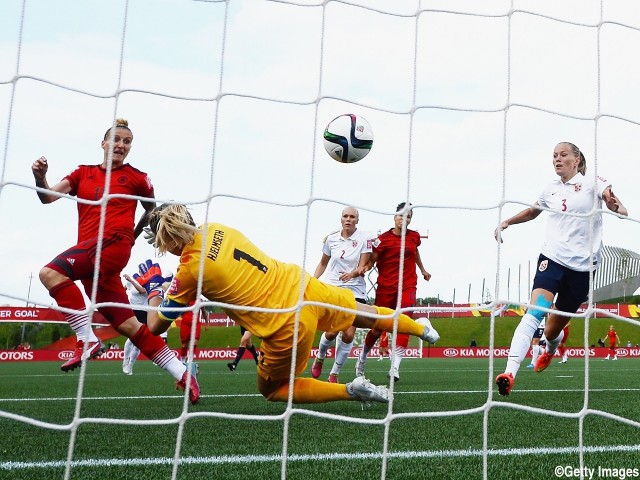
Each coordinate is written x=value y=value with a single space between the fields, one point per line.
x=405 y=323
x=309 y=390
x=68 y=295
x=157 y=351
x=254 y=352
x=521 y=342
x=323 y=346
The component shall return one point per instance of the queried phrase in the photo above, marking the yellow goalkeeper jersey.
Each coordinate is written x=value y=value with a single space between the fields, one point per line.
x=238 y=273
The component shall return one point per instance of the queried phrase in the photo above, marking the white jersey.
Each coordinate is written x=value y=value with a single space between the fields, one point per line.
x=569 y=239
x=345 y=256
x=135 y=297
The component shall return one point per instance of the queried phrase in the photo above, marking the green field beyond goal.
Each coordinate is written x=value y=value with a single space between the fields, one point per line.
x=435 y=427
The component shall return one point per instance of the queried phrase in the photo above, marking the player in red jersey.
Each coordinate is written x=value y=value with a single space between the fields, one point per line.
x=613 y=343
x=112 y=246
x=387 y=251
x=186 y=325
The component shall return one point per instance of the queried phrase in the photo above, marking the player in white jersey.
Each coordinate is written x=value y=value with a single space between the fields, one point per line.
x=574 y=231
x=137 y=297
x=345 y=254
x=537 y=344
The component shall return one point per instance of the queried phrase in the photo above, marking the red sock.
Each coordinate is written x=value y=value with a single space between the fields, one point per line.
x=153 y=347
x=68 y=295
x=371 y=338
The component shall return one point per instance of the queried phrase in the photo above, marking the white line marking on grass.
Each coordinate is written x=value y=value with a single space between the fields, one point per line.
x=564 y=376
x=245 y=459
x=248 y=395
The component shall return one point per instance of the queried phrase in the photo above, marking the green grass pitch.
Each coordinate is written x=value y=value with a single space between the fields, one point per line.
x=434 y=429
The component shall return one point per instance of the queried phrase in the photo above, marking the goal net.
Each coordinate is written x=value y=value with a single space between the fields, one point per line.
x=228 y=101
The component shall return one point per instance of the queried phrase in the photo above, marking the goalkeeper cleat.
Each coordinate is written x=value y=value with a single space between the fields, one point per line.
x=543 y=362
x=429 y=334
x=232 y=366
x=360 y=368
x=505 y=382
x=316 y=368
x=194 y=388
x=333 y=378
x=362 y=389
x=94 y=349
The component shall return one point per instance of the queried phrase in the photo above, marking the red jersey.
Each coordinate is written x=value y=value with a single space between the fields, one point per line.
x=387 y=247
x=88 y=183
x=612 y=337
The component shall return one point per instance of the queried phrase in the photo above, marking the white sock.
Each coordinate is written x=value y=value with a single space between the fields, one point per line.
x=364 y=353
x=323 y=346
x=399 y=355
x=131 y=352
x=552 y=345
x=521 y=342
x=342 y=354
x=535 y=353
x=79 y=323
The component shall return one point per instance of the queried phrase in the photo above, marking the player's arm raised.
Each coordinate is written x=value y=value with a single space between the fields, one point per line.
x=39 y=170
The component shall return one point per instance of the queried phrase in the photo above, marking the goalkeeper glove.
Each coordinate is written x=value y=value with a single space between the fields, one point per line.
x=151 y=279
x=149 y=236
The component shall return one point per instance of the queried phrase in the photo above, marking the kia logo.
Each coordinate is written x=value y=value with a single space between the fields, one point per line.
x=450 y=352
x=65 y=354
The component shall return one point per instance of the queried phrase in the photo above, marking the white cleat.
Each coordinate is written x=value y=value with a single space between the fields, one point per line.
x=126 y=368
x=362 y=389
x=359 y=368
x=429 y=334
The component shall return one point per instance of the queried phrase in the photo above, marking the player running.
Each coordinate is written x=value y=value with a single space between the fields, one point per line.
x=566 y=258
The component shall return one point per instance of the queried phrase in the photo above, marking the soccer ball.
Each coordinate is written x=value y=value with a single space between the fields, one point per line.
x=348 y=138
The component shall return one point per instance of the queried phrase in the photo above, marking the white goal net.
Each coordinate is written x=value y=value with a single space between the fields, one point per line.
x=227 y=101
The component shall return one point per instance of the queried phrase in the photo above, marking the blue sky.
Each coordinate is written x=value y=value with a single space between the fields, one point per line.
x=466 y=106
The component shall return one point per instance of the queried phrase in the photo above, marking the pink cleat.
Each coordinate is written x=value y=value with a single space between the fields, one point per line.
x=94 y=349
x=194 y=388
x=316 y=368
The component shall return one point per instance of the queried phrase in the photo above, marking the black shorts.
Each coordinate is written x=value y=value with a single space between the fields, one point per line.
x=571 y=286
x=538 y=333
x=141 y=315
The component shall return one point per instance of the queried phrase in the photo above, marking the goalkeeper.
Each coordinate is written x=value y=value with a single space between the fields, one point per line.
x=238 y=274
